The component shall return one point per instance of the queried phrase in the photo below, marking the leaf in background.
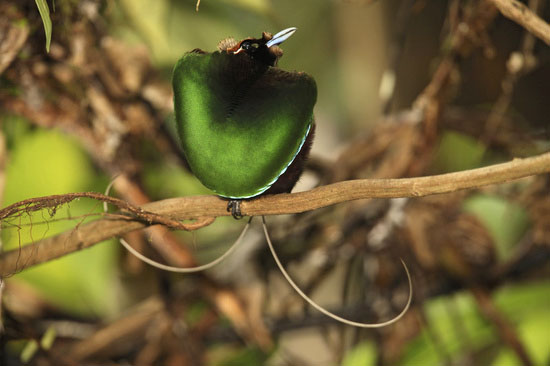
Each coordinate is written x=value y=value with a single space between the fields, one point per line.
x=226 y=355
x=458 y=152
x=29 y=351
x=171 y=180
x=262 y=7
x=46 y=20
x=45 y=163
x=506 y=357
x=171 y=28
x=505 y=220
x=424 y=351
x=421 y=351
x=361 y=355
x=533 y=332
x=527 y=306
x=249 y=356
x=150 y=18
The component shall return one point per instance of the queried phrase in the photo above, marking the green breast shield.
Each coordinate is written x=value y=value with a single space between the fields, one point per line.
x=241 y=122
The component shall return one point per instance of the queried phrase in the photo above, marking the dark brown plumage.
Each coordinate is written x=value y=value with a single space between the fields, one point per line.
x=256 y=48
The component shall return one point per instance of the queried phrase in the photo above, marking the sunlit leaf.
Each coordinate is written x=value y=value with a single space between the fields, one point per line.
x=363 y=354
x=527 y=307
x=257 y=6
x=46 y=20
x=505 y=220
x=443 y=323
x=45 y=163
x=48 y=338
x=534 y=332
x=458 y=152
x=29 y=351
x=172 y=28
x=506 y=357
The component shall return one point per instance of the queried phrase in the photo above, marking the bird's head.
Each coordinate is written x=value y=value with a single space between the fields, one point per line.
x=264 y=49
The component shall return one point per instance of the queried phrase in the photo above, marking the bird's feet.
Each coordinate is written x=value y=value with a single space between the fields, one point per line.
x=234 y=206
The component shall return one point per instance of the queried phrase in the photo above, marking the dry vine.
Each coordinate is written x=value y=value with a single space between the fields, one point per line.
x=53 y=202
x=525 y=17
x=206 y=208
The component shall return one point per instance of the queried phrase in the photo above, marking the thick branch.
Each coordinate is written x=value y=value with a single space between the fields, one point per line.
x=84 y=236
x=522 y=15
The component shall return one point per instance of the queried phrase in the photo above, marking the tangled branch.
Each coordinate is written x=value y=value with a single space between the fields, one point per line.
x=206 y=208
x=525 y=17
x=53 y=202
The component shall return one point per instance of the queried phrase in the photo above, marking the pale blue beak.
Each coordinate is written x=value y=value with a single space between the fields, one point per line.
x=281 y=36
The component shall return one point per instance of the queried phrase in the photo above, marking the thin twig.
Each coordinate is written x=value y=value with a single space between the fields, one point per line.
x=519 y=63
x=54 y=201
x=211 y=206
x=521 y=14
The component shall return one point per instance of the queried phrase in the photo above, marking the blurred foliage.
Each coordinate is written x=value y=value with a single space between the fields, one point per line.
x=527 y=305
x=458 y=152
x=170 y=28
x=246 y=356
x=346 y=46
x=505 y=220
x=363 y=353
x=458 y=328
x=46 y=162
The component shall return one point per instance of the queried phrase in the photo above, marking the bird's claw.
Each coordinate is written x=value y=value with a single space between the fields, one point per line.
x=234 y=206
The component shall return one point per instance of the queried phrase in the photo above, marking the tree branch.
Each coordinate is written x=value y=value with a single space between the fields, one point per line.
x=200 y=207
x=521 y=14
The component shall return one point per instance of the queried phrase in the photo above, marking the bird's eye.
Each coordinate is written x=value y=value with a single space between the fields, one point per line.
x=249 y=46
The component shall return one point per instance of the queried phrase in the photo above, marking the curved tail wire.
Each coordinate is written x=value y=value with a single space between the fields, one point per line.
x=173 y=268
x=279 y=264
x=325 y=311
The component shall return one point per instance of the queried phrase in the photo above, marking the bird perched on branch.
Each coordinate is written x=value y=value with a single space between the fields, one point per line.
x=245 y=125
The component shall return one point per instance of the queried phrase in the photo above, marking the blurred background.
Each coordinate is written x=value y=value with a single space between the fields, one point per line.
x=406 y=88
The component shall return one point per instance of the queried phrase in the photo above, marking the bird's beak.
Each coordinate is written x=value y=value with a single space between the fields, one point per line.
x=281 y=37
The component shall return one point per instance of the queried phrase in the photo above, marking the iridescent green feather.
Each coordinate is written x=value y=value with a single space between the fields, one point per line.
x=240 y=123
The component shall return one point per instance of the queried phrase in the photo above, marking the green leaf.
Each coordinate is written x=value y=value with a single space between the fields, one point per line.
x=247 y=356
x=46 y=20
x=363 y=354
x=29 y=351
x=458 y=152
x=171 y=28
x=506 y=357
x=261 y=7
x=526 y=306
x=424 y=351
x=46 y=342
x=42 y=163
x=505 y=220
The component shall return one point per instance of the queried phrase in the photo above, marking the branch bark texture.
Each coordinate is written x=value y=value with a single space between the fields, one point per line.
x=522 y=15
x=201 y=207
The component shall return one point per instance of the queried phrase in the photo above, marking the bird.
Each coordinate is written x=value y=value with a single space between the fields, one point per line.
x=245 y=125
